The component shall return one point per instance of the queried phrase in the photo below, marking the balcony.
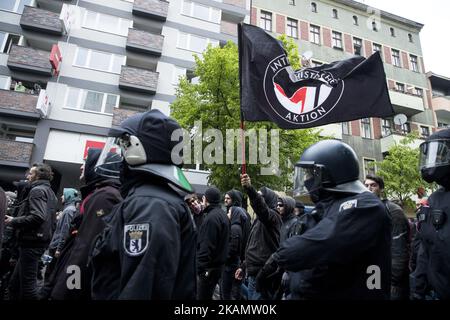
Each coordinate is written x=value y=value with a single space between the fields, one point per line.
x=395 y=138
x=120 y=115
x=18 y=103
x=154 y=9
x=233 y=10
x=139 y=80
x=15 y=151
x=441 y=106
x=29 y=60
x=145 y=42
x=406 y=103
x=39 y=20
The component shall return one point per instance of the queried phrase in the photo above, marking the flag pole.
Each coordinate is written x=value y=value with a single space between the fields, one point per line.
x=244 y=164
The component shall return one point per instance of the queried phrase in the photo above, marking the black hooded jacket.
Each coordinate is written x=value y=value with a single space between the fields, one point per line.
x=238 y=221
x=264 y=236
x=289 y=219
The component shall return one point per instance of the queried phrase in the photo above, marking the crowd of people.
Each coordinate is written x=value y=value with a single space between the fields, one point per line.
x=137 y=230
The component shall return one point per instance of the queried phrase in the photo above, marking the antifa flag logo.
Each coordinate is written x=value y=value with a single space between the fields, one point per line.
x=302 y=96
x=135 y=239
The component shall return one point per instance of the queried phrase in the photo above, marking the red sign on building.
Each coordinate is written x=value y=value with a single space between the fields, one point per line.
x=55 y=58
x=92 y=144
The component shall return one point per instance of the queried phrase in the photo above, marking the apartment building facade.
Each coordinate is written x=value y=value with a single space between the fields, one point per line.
x=69 y=70
x=335 y=30
x=440 y=99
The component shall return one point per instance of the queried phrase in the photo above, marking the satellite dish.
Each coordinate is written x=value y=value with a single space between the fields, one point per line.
x=400 y=119
x=307 y=55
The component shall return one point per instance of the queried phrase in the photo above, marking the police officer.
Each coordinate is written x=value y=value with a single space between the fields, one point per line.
x=148 y=249
x=433 y=259
x=349 y=248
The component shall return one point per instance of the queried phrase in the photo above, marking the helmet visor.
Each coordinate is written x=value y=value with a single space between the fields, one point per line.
x=307 y=178
x=434 y=153
x=110 y=160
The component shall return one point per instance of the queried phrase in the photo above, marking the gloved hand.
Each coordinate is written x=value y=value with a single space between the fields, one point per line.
x=262 y=279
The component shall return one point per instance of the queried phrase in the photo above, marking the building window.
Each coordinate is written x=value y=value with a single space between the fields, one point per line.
x=400 y=87
x=376 y=48
x=202 y=12
x=106 y=23
x=98 y=60
x=443 y=125
x=292 y=2
x=369 y=166
x=410 y=37
x=355 y=20
x=265 y=21
x=5 y=82
x=357 y=46
x=194 y=43
x=345 y=128
x=425 y=131
x=292 y=28
x=313 y=7
x=418 y=92
x=314 y=34
x=396 y=58
x=365 y=128
x=392 y=32
x=14 y=5
x=91 y=100
x=405 y=128
x=374 y=26
x=414 y=64
x=335 y=14
x=386 y=128
x=7 y=40
x=337 y=40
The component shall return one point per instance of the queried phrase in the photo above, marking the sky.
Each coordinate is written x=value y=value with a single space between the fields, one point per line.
x=435 y=35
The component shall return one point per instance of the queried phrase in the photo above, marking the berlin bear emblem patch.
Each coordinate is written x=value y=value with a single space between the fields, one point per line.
x=135 y=238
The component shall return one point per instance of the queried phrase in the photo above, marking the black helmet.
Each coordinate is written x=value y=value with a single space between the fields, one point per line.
x=435 y=158
x=329 y=165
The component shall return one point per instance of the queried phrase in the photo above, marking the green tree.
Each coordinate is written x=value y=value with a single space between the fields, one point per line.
x=292 y=51
x=214 y=100
x=400 y=171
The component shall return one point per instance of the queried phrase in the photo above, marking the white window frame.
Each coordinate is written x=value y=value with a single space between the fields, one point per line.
x=16 y=6
x=384 y=128
x=335 y=41
x=120 y=23
x=88 y=60
x=364 y=165
x=290 y=27
x=363 y=131
x=374 y=44
x=396 y=59
x=335 y=14
x=7 y=35
x=361 y=50
x=421 y=132
x=417 y=90
x=355 y=20
x=213 y=42
x=415 y=65
x=348 y=126
x=265 y=14
x=191 y=6
x=314 y=35
x=83 y=92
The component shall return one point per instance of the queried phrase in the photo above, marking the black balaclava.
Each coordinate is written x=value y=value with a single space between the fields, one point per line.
x=270 y=197
x=89 y=166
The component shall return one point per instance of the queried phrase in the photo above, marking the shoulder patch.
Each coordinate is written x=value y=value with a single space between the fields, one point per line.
x=135 y=238
x=348 y=205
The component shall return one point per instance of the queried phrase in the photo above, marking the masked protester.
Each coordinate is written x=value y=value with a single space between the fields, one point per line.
x=100 y=194
x=148 y=249
x=348 y=250
x=433 y=259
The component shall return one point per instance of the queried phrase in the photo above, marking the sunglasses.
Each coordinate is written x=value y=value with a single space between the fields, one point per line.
x=280 y=205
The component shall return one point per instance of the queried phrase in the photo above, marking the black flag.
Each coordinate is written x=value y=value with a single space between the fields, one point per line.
x=271 y=90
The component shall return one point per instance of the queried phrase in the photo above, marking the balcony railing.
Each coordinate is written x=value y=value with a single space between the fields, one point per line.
x=406 y=103
x=142 y=41
x=29 y=60
x=394 y=138
x=15 y=151
x=139 y=80
x=41 y=20
x=19 y=102
x=151 y=8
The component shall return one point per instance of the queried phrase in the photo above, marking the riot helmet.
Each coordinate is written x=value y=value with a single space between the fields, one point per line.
x=143 y=142
x=434 y=162
x=328 y=165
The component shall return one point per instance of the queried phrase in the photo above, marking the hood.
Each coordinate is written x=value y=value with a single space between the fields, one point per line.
x=23 y=187
x=289 y=205
x=89 y=165
x=236 y=197
x=270 y=197
x=70 y=195
x=238 y=216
